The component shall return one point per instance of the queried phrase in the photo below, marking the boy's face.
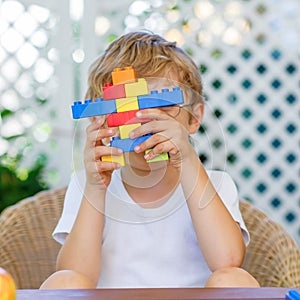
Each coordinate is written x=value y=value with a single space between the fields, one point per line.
x=189 y=116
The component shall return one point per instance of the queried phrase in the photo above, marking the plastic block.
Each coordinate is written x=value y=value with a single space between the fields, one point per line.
x=114 y=158
x=123 y=118
x=161 y=157
x=126 y=75
x=113 y=91
x=126 y=104
x=93 y=108
x=127 y=145
x=125 y=129
x=292 y=295
x=136 y=88
x=165 y=98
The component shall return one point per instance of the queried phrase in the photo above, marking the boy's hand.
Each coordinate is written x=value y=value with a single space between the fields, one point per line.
x=99 y=173
x=169 y=135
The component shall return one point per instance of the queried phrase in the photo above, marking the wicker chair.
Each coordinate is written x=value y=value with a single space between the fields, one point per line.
x=272 y=257
x=28 y=251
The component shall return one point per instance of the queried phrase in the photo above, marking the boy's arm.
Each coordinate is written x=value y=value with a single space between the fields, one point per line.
x=219 y=236
x=81 y=251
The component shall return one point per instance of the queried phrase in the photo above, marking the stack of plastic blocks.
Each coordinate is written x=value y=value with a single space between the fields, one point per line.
x=122 y=99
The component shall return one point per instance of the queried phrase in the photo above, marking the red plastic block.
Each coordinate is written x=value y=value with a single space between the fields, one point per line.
x=123 y=118
x=126 y=75
x=111 y=91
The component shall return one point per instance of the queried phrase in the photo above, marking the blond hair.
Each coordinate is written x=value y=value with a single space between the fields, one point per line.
x=151 y=56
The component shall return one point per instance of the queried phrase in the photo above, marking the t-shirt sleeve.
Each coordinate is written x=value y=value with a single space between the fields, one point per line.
x=71 y=206
x=227 y=190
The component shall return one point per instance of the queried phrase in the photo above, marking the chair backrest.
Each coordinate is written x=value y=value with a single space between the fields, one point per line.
x=272 y=257
x=28 y=251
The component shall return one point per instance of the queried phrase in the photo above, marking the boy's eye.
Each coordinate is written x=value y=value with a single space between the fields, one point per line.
x=170 y=110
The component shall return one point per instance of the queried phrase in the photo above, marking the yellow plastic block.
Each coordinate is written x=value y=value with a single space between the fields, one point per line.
x=161 y=157
x=126 y=104
x=114 y=158
x=125 y=129
x=120 y=76
x=138 y=88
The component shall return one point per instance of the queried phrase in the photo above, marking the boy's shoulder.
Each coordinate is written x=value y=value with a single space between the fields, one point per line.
x=214 y=175
x=218 y=175
x=224 y=185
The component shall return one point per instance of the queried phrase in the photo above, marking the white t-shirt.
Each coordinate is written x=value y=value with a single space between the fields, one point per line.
x=149 y=247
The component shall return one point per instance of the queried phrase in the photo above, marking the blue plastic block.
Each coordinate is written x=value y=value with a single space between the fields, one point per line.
x=292 y=295
x=127 y=145
x=93 y=108
x=165 y=98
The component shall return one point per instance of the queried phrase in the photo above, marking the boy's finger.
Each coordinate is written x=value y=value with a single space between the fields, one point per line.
x=96 y=125
x=107 y=166
x=150 y=127
x=152 y=113
x=155 y=140
x=97 y=119
x=96 y=136
x=106 y=151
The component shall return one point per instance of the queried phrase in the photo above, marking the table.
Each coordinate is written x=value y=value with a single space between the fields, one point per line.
x=156 y=294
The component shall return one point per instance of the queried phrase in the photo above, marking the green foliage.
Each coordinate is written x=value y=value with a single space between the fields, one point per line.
x=16 y=185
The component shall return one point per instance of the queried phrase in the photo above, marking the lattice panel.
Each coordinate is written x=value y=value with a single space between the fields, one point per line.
x=29 y=60
x=249 y=55
x=258 y=128
x=253 y=92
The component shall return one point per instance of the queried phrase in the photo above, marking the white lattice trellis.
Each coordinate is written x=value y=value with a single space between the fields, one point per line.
x=35 y=91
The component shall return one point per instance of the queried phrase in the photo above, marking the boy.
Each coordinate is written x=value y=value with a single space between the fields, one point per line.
x=162 y=224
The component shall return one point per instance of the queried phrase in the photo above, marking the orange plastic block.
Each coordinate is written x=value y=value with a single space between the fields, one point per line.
x=114 y=158
x=138 y=88
x=125 y=129
x=126 y=75
x=127 y=104
x=161 y=157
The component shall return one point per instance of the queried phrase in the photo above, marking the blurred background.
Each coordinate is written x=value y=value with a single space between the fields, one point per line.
x=248 y=52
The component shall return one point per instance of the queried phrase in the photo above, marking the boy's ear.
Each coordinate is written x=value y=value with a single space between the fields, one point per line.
x=196 y=117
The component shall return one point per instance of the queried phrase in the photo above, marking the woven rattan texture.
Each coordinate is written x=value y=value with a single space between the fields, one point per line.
x=27 y=249
x=272 y=257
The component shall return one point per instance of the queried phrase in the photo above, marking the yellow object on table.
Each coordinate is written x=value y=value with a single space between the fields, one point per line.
x=7 y=286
